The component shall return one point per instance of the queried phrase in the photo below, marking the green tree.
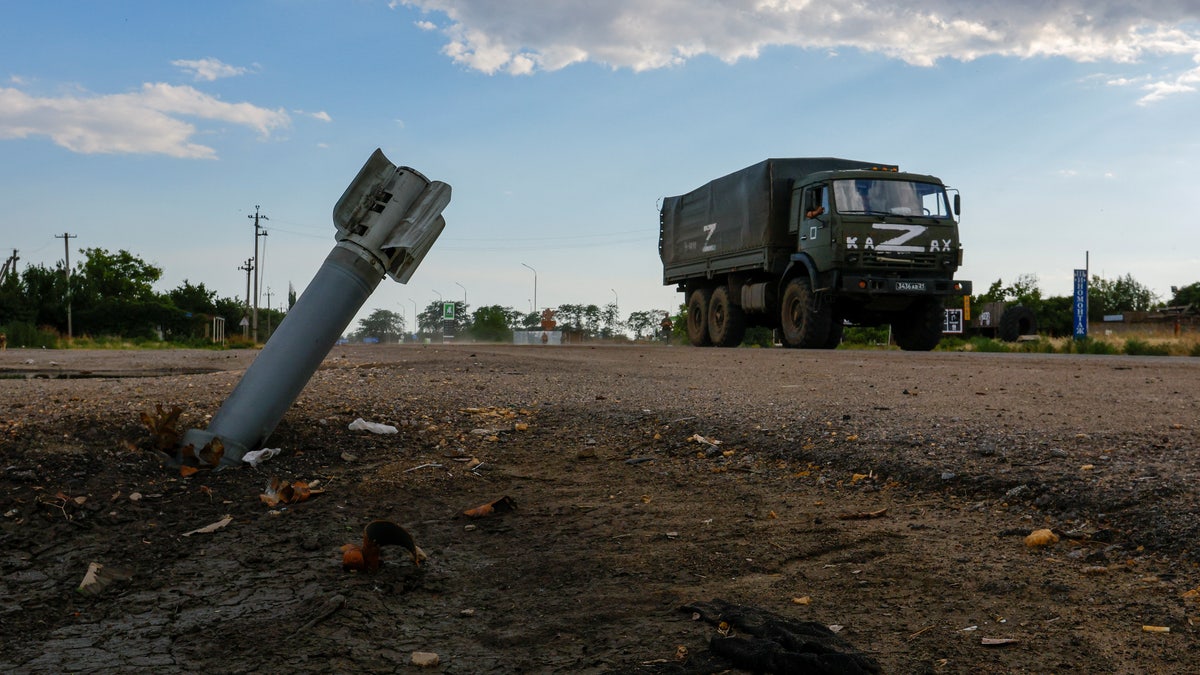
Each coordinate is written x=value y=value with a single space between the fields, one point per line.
x=610 y=321
x=114 y=294
x=643 y=323
x=196 y=299
x=432 y=325
x=45 y=293
x=591 y=320
x=570 y=317
x=493 y=323
x=382 y=324
x=1185 y=295
x=118 y=276
x=994 y=293
x=1056 y=315
x=1123 y=294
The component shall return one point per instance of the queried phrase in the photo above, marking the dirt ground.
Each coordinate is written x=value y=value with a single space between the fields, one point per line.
x=886 y=494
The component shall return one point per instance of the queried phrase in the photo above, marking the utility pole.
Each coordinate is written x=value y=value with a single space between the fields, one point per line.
x=248 y=267
x=67 y=237
x=254 y=320
x=268 y=312
x=10 y=264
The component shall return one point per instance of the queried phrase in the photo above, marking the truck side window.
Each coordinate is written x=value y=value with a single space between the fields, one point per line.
x=816 y=202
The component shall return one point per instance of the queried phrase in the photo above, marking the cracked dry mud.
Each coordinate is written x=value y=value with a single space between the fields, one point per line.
x=623 y=516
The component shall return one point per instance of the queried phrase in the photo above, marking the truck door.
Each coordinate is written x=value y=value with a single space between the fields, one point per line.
x=814 y=219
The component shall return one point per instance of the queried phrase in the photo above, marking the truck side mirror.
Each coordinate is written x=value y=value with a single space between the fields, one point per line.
x=957 y=204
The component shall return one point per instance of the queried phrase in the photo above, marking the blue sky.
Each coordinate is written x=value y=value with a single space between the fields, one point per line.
x=156 y=127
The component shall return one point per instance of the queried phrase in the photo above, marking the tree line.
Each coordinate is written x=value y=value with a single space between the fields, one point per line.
x=111 y=295
x=497 y=323
x=1105 y=297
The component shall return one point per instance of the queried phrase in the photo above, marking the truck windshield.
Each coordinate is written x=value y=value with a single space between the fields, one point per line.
x=890 y=197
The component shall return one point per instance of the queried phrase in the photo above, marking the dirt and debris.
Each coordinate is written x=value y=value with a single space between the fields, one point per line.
x=815 y=488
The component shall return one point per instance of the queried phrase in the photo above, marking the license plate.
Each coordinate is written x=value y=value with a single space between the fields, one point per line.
x=910 y=285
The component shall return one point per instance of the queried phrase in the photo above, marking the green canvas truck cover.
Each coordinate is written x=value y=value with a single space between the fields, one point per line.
x=743 y=211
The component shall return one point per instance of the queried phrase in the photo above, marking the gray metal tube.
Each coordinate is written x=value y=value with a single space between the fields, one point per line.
x=277 y=376
x=387 y=220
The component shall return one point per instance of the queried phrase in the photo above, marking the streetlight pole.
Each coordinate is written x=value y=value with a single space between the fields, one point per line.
x=535 y=305
x=416 y=318
x=464 y=294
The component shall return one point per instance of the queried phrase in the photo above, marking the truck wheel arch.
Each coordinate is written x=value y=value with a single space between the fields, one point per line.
x=800 y=266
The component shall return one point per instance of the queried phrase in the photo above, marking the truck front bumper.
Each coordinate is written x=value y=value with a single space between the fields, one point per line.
x=871 y=285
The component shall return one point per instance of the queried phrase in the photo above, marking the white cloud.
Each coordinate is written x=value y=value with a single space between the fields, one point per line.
x=209 y=69
x=1183 y=83
x=148 y=121
x=546 y=35
x=322 y=115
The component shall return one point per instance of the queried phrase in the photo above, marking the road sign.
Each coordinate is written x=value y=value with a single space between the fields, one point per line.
x=448 y=311
x=953 y=322
x=1080 y=304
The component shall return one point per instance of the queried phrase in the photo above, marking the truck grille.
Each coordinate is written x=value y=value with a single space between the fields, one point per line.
x=906 y=261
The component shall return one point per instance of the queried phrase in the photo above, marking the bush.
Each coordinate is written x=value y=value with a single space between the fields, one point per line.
x=758 y=336
x=1039 y=346
x=25 y=335
x=952 y=343
x=865 y=335
x=1090 y=346
x=986 y=344
x=1136 y=347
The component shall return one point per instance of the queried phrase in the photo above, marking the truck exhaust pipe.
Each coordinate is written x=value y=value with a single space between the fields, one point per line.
x=387 y=220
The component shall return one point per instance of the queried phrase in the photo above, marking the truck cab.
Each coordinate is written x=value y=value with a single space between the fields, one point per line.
x=876 y=241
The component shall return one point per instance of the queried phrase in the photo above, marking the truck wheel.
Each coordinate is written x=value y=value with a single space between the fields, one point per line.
x=920 y=328
x=805 y=320
x=1015 y=322
x=726 y=321
x=697 y=317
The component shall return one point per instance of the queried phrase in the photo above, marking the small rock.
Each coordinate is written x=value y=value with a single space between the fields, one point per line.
x=425 y=659
x=948 y=475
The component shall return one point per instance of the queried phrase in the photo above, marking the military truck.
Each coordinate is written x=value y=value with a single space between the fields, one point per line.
x=805 y=245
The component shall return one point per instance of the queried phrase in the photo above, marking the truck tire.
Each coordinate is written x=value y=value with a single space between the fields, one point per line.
x=920 y=328
x=697 y=317
x=805 y=319
x=726 y=321
x=1015 y=322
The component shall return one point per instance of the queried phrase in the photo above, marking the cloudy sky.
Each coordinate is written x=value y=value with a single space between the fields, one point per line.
x=1070 y=129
